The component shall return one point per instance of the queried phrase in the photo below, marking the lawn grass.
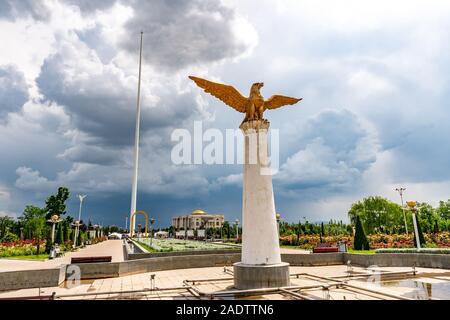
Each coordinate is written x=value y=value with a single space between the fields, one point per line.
x=361 y=251
x=288 y=246
x=38 y=257
x=147 y=247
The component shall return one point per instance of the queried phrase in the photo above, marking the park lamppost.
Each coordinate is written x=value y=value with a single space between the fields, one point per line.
x=76 y=225
x=53 y=220
x=152 y=221
x=237 y=228
x=400 y=191
x=412 y=205
x=81 y=197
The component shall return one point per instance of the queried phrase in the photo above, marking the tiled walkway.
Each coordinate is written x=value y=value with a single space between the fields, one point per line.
x=108 y=248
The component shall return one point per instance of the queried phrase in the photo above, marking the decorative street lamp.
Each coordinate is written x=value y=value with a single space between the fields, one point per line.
x=400 y=191
x=237 y=228
x=413 y=207
x=81 y=197
x=76 y=225
x=53 y=220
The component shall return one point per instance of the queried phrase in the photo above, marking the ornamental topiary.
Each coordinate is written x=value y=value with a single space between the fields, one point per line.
x=360 y=241
x=59 y=239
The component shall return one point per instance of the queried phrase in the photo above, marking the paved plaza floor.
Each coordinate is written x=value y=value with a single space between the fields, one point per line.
x=317 y=278
x=294 y=251
x=107 y=248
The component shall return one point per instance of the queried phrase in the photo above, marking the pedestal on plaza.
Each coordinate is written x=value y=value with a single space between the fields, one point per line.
x=261 y=265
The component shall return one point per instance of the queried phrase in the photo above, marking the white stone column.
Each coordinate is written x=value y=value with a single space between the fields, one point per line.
x=260 y=243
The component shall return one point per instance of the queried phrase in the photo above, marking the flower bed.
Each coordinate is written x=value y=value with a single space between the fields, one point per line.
x=21 y=248
x=311 y=241
x=377 y=241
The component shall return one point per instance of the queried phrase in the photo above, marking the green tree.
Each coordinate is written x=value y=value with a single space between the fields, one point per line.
x=67 y=228
x=322 y=232
x=32 y=212
x=360 y=242
x=38 y=229
x=48 y=239
x=7 y=225
x=60 y=233
x=9 y=237
x=56 y=204
x=443 y=210
x=226 y=229
x=82 y=238
x=298 y=231
x=112 y=229
x=436 y=226
x=427 y=216
x=377 y=215
x=34 y=223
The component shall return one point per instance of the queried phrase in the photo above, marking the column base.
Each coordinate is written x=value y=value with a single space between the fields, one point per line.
x=248 y=276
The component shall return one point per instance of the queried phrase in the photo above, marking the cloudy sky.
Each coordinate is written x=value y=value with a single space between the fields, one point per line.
x=374 y=75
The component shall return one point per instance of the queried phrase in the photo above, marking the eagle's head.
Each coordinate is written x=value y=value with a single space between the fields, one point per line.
x=257 y=86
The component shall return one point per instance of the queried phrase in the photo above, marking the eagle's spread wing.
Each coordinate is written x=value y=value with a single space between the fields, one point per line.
x=225 y=93
x=278 y=101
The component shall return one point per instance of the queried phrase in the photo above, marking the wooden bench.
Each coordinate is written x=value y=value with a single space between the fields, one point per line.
x=325 y=249
x=77 y=260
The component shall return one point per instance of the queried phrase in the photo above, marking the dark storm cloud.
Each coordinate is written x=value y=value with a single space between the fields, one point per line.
x=180 y=33
x=337 y=151
x=101 y=100
x=91 y=154
x=88 y=6
x=99 y=96
x=13 y=90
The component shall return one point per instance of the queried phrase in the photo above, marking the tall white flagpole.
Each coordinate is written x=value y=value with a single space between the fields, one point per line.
x=136 y=146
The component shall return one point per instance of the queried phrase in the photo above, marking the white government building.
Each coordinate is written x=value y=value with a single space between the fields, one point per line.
x=197 y=220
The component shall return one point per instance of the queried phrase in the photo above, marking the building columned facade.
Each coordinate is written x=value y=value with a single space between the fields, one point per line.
x=198 y=219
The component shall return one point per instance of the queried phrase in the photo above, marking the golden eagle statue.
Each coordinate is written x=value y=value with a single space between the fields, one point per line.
x=253 y=106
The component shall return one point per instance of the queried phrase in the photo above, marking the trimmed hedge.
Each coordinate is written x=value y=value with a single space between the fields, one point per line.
x=360 y=242
x=414 y=250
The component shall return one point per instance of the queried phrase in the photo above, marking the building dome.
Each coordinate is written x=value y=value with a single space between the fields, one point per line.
x=198 y=212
